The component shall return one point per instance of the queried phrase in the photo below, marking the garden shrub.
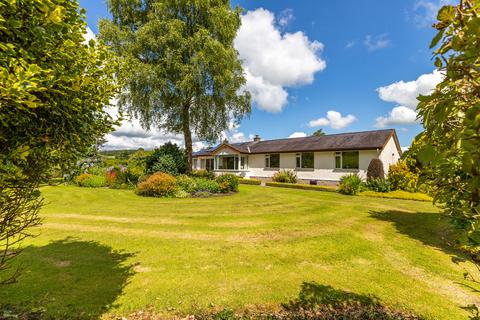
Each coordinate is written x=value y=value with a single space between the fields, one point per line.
x=249 y=181
x=401 y=178
x=375 y=169
x=187 y=184
x=227 y=182
x=143 y=178
x=301 y=186
x=165 y=163
x=203 y=174
x=182 y=194
x=350 y=184
x=134 y=173
x=285 y=176
x=378 y=185
x=159 y=184
x=168 y=158
x=116 y=176
x=205 y=185
x=88 y=180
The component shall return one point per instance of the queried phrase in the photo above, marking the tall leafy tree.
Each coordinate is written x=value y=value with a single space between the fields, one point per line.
x=450 y=143
x=180 y=71
x=53 y=88
x=318 y=133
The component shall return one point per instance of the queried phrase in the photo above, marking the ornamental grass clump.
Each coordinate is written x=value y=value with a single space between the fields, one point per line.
x=285 y=176
x=350 y=184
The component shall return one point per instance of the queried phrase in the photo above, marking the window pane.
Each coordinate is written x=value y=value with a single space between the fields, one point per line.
x=338 y=162
x=267 y=161
x=230 y=163
x=350 y=160
x=298 y=164
x=275 y=160
x=307 y=160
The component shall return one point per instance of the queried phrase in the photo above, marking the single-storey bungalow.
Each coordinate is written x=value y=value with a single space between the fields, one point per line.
x=323 y=158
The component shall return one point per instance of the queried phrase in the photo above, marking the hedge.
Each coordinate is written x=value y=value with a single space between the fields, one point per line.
x=301 y=186
x=250 y=181
x=398 y=194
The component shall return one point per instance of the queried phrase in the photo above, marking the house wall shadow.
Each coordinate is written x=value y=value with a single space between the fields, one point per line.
x=68 y=279
x=432 y=229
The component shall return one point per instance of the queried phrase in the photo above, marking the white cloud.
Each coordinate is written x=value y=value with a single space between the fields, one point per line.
x=268 y=96
x=377 y=42
x=406 y=93
x=425 y=11
x=285 y=17
x=334 y=120
x=398 y=115
x=298 y=135
x=131 y=135
x=350 y=44
x=274 y=61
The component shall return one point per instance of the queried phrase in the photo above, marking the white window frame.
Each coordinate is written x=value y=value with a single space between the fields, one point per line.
x=340 y=154
x=268 y=164
x=298 y=160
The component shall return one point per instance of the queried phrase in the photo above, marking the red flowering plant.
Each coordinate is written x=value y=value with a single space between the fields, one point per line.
x=116 y=176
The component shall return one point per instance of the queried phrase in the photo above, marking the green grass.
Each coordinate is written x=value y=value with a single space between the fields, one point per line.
x=104 y=251
x=398 y=194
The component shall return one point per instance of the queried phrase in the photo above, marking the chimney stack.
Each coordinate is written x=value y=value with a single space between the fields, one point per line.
x=257 y=138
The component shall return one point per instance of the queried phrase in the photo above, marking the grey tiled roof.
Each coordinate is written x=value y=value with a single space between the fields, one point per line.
x=344 y=141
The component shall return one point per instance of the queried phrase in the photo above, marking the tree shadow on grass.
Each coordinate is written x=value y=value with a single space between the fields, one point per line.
x=432 y=229
x=316 y=301
x=68 y=279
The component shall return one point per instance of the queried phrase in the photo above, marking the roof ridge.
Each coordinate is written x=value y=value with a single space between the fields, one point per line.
x=327 y=135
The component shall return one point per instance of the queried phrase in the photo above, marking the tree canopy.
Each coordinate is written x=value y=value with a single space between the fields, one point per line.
x=318 y=133
x=450 y=143
x=179 y=71
x=53 y=90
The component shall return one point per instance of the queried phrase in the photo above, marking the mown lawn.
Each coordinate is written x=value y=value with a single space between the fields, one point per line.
x=104 y=251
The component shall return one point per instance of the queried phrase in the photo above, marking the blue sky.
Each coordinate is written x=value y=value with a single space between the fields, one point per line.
x=326 y=56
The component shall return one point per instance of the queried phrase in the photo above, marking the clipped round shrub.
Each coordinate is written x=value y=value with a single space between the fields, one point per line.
x=350 y=184
x=203 y=174
x=401 y=178
x=375 y=169
x=227 y=182
x=159 y=184
x=88 y=180
x=285 y=176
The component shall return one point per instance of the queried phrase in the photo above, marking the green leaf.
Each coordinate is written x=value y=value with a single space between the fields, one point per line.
x=427 y=154
x=446 y=14
x=437 y=38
